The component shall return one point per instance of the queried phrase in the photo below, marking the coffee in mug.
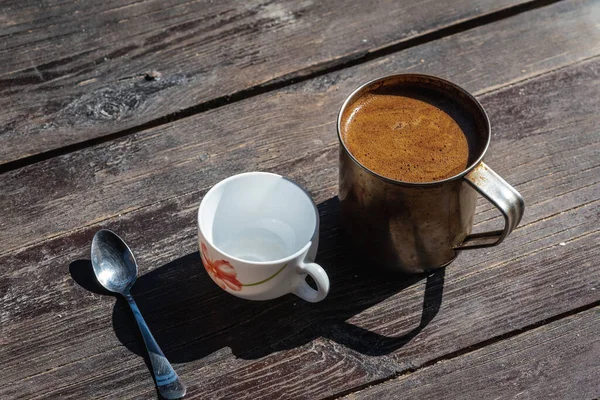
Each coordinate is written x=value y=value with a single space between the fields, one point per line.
x=405 y=135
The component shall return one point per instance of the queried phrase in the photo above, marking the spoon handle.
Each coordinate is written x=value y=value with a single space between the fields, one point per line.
x=168 y=383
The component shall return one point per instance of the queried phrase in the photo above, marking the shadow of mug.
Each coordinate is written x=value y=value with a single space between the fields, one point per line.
x=192 y=318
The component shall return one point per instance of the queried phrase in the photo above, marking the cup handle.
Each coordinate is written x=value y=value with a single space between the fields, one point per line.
x=304 y=291
x=503 y=196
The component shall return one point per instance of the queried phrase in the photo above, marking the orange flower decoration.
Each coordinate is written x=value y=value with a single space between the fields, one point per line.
x=221 y=271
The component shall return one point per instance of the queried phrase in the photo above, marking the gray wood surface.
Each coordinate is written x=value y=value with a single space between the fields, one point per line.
x=72 y=71
x=555 y=361
x=290 y=131
x=67 y=340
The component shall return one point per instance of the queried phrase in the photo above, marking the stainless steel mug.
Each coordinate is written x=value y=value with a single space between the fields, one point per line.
x=417 y=227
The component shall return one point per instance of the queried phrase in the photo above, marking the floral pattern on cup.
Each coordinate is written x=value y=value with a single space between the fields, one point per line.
x=221 y=271
x=224 y=274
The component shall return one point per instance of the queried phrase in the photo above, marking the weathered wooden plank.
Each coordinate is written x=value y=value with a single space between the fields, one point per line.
x=287 y=131
x=369 y=328
x=206 y=353
x=73 y=72
x=560 y=360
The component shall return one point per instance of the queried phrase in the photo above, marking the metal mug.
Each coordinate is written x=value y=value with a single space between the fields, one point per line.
x=416 y=227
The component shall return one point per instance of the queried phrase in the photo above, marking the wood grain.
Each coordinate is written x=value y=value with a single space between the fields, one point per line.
x=370 y=328
x=72 y=72
x=289 y=131
x=555 y=361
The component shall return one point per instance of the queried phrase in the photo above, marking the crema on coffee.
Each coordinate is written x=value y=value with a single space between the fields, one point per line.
x=404 y=138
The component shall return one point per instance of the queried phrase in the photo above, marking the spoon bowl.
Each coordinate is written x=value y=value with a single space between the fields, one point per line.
x=113 y=262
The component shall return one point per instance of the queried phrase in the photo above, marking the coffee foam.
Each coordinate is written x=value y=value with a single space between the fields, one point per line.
x=404 y=138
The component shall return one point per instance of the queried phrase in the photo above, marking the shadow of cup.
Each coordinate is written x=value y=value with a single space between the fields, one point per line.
x=191 y=317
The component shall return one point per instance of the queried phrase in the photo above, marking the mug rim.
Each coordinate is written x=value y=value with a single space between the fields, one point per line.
x=423 y=77
x=289 y=258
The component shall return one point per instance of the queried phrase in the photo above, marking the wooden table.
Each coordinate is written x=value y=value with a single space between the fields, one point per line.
x=121 y=114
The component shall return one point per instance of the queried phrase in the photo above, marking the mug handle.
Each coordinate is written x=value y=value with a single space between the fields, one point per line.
x=503 y=196
x=303 y=289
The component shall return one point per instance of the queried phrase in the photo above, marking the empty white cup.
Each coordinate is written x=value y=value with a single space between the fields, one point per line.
x=258 y=234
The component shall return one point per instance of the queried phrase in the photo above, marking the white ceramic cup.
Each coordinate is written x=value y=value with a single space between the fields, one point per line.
x=258 y=235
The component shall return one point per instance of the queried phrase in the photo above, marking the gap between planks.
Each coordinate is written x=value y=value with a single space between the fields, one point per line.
x=142 y=207
x=467 y=350
x=290 y=79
